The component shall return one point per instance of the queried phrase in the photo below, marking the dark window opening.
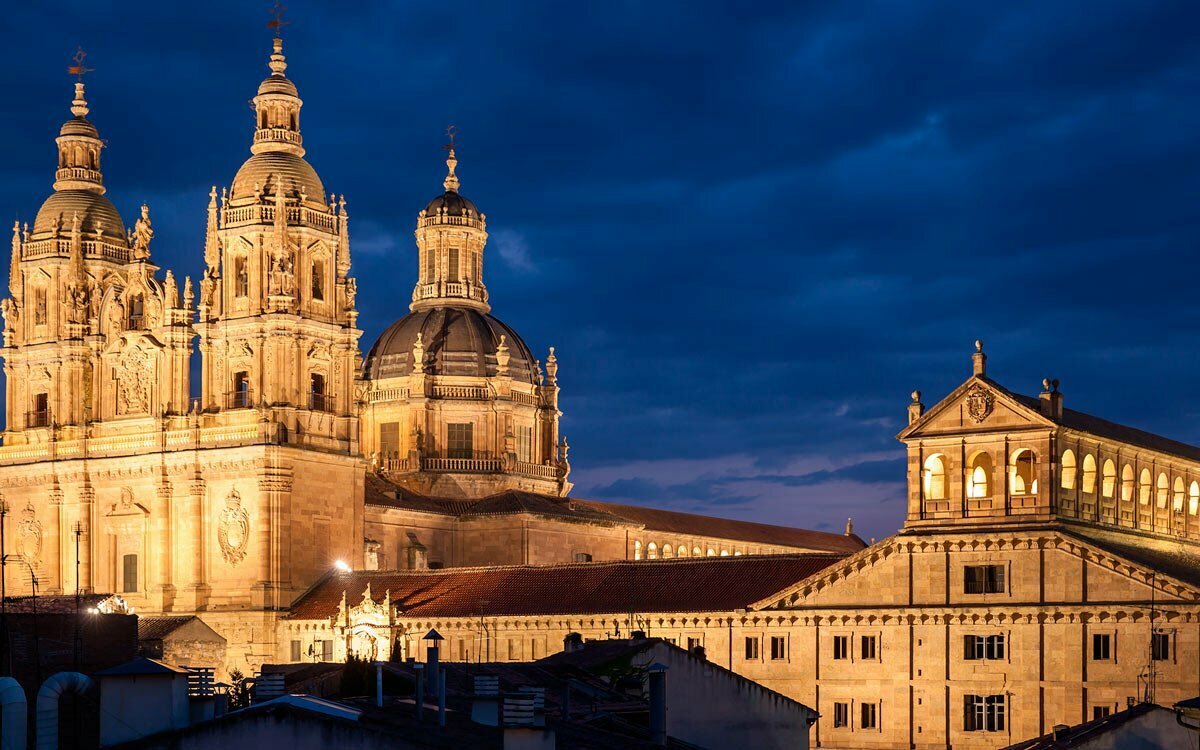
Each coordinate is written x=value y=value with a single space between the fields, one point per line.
x=130 y=577
x=983 y=579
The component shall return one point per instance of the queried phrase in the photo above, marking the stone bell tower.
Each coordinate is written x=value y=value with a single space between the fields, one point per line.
x=277 y=306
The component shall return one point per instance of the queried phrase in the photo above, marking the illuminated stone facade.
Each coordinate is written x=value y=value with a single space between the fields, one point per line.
x=440 y=448
x=1048 y=572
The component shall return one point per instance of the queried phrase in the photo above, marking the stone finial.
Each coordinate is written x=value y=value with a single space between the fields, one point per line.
x=552 y=367
x=278 y=62
x=537 y=368
x=188 y=295
x=850 y=526
x=502 y=357
x=418 y=354
x=79 y=107
x=451 y=181
x=1050 y=401
x=915 y=407
x=979 y=360
x=14 y=267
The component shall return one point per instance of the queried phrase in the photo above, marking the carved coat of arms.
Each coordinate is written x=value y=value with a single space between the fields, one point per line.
x=233 y=530
x=29 y=533
x=979 y=403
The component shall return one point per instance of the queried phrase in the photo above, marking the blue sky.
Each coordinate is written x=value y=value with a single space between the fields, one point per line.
x=749 y=230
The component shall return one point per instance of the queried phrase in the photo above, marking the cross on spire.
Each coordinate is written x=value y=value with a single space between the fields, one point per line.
x=78 y=69
x=277 y=23
x=451 y=133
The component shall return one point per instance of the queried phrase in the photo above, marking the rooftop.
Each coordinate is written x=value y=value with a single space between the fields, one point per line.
x=708 y=584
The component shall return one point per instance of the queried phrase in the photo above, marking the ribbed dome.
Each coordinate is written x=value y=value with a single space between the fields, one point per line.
x=278 y=84
x=454 y=203
x=79 y=126
x=295 y=171
x=457 y=340
x=91 y=206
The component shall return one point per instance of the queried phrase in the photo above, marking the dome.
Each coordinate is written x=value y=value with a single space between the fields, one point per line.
x=91 y=207
x=261 y=168
x=277 y=85
x=79 y=126
x=455 y=205
x=458 y=341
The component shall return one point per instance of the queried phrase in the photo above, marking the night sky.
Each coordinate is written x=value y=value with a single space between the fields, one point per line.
x=750 y=230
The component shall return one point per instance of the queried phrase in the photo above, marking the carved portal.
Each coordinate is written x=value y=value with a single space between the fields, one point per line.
x=233 y=531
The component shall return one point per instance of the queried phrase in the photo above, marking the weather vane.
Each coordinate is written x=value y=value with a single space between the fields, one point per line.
x=78 y=70
x=277 y=23
x=451 y=132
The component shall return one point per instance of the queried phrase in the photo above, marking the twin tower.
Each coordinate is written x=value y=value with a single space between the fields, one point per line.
x=241 y=491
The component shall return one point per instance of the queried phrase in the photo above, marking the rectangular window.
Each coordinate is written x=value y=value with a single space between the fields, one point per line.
x=241 y=278
x=984 y=713
x=841 y=715
x=778 y=647
x=751 y=648
x=983 y=579
x=295 y=652
x=869 y=716
x=514 y=649
x=525 y=444
x=452 y=270
x=1100 y=712
x=318 y=280
x=39 y=306
x=1160 y=646
x=1101 y=647
x=693 y=643
x=841 y=647
x=429 y=266
x=326 y=650
x=239 y=398
x=868 y=648
x=462 y=650
x=130 y=577
x=40 y=415
x=460 y=440
x=582 y=557
x=389 y=440
x=983 y=647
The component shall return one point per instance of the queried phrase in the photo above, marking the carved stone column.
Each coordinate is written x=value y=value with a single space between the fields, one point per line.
x=55 y=532
x=195 y=596
x=275 y=490
x=84 y=521
x=162 y=590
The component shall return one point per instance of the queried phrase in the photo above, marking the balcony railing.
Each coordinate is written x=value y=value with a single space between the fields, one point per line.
x=240 y=399
x=37 y=418
x=320 y=402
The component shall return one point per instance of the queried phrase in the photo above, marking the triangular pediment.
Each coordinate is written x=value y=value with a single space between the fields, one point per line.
x=980 y=405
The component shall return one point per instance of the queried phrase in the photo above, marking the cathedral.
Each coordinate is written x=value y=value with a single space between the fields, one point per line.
x=229 y=499
x=308 y=502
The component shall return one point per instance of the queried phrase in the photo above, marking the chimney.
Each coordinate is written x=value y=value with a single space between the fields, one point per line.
x=637 y=635
x=916 y=408
x=699 y=652
x=434 y=639
x=1060 y=732
x=572 y=642
x=658 y=703
x=979 y=360
x=1050 y=400
x=485 y=706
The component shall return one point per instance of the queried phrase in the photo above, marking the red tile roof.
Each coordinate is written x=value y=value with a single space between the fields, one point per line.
x=674 y=522
x=157 y=628
x=711 y=584
x=380 y=492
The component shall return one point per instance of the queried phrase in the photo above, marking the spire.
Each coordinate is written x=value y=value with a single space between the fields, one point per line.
x=849 y=527
x=79 y=143
x=278 y=62
x=212 y=252
x=277 y=106
x=451 y=181
x=14 y=267
x=79 y=106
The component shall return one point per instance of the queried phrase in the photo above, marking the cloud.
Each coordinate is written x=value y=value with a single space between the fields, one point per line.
x=513 y=249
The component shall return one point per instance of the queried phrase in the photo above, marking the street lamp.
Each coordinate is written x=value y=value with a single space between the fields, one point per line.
x=342 y=566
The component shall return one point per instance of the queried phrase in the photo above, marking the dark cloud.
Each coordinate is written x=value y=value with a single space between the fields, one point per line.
x=749 y=233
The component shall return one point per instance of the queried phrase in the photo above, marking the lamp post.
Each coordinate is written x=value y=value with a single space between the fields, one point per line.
x=78 y=529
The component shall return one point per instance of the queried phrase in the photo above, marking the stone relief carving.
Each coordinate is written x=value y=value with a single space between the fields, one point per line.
x=979 y=403
x=233 y=530
x=134 y=373
x=29 y=536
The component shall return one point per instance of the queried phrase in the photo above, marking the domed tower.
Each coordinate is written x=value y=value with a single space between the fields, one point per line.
x=277 y=307
x=457 y=406
x=90 y=334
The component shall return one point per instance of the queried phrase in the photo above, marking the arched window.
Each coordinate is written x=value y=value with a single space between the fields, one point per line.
x=651 y=551
x=1127 y=483
x=318 y=279
x=1194 y=498
x=935 y=478
x=696 y=552
x=136 y=312
x=1144 y=487
x=1164 y=487
x=1109 y=482
x=1177 y=495
x=1089 y=474
x=241 y=277
x=724 y=553
x=712 y=552
x=668 y=551
x=683 y=550
x=318 y=400
x=637 y=550
x=1023 y=473
x=979 y=476
x=1068 y=469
